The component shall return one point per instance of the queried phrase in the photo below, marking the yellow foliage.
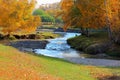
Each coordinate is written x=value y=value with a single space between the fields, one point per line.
x=83 y=13
x=94 y=13
x=16 y=16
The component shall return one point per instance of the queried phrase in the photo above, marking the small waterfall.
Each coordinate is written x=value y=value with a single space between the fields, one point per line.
x=59 y=48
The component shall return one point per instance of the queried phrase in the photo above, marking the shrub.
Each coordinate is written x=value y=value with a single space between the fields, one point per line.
x=1 y=36
x=11 y=37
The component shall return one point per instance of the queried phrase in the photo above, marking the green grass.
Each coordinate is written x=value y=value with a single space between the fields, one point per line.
x=49 y=26
x=64 y=69
x=15 y=65
x=48 y=35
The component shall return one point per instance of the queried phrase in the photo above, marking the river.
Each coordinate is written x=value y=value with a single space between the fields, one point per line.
x=59 y=48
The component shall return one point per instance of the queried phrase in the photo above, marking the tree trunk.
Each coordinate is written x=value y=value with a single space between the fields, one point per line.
x=85 y=32
x=108 y=22
x=110 y=34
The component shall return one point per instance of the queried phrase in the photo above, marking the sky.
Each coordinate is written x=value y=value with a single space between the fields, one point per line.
x=46 y=1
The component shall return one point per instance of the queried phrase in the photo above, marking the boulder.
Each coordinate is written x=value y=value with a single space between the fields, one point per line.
x=97 y=48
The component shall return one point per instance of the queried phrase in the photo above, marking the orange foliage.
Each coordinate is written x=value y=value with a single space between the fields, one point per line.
x=88 y=14
x=16 y=16
x=98 y=73
x=114 y=14
x=93 y=13
x=66 y=6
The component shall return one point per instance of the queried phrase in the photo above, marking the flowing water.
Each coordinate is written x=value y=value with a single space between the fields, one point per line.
x=59 y=48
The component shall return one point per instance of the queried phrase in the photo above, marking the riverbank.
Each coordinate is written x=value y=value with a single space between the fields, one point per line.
x=96 y=46
x=29 y=45
x=18 y=65
x=28 y=42
x=60 y=49
x=35 y=36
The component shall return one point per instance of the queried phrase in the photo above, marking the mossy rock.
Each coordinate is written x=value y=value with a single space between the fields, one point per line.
x=97 y=48
x=90 y=45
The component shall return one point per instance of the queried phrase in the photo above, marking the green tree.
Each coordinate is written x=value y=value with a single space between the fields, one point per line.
x=45 y=17
x=39 y=12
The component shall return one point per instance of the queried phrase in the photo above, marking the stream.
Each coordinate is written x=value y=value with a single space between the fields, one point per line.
x=59 y=48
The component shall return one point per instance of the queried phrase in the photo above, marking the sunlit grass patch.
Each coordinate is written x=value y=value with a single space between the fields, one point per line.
x=18 y=65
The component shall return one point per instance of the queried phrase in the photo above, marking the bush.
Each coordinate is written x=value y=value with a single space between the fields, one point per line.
x=17 y=36
x=1 y=36
x=23 y=37
x=11 y=37
x=31 y=36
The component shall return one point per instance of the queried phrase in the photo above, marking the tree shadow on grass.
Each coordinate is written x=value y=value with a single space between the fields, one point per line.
x=114 y=77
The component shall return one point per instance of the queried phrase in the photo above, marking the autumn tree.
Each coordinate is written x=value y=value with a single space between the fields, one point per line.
x=95 y=14
x=85 y=14
x=66 y=6
x=16 y=16
x=113 y=18
x=101 y=13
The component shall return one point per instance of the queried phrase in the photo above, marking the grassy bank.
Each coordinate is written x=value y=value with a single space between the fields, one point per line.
x=41 y=35
x=15 y=65
x=97 y=43
x=48 y=35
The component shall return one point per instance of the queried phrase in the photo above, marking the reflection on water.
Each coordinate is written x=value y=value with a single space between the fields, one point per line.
x=59 y=48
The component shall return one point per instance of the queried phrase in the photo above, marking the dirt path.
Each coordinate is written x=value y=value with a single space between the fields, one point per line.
x=95 y=62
